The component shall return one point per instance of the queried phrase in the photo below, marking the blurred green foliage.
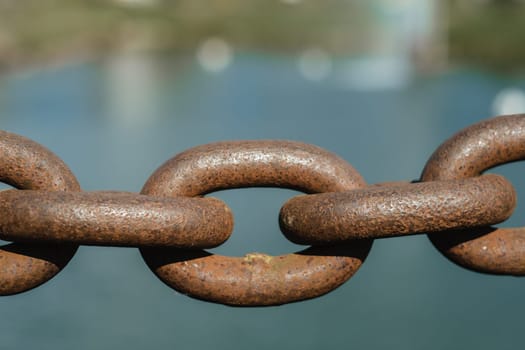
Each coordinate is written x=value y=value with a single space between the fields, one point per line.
x=484 y=33
x=41 y=30
x=488 y=34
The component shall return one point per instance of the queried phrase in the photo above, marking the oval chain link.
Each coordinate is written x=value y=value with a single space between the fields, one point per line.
x=256 y=279
x=469 y=153
x=114 y=219
x=26 y=165
x=397 y=209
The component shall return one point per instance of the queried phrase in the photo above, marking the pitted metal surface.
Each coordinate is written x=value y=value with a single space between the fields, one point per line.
x=265 y=163
x=114 y=219
x=397 y=209
x=27 y=165
x=171 y=222
x=256 y=279
x=468 y=154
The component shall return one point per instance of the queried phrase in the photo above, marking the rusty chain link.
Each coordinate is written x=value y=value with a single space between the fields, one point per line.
x=468 y=154
x=339 y=216
x=26 y=165
x=259 y=279
x=113 y=219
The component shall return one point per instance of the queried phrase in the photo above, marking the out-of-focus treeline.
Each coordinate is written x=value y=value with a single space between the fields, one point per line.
x=35 y=29
x=488 y=34
x=484 y=33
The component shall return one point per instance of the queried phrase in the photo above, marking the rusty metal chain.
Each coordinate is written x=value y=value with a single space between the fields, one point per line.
x=259 y=279
x=26 y=165
x=466 y=155
x=339 y=215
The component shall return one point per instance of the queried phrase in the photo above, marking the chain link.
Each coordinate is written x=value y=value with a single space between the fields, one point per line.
x=114 y=219
x=467 y=154
x=27 y=165
x=256 y=279
x=339 y=215
x=395 y=210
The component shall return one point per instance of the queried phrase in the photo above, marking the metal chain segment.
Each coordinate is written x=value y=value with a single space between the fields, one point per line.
x=25 y=164
x=114 y=219
x=163 y=216
x=398 y=209
x=265 y=163
x=256 y=279
x=468 y=154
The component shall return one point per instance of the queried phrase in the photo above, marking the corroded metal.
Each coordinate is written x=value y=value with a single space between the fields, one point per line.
x=25 y=164
x=114 y=219
x=468 y=154
x=454 y=200
x=397 y=209
x=236 y=164
x=256 y=279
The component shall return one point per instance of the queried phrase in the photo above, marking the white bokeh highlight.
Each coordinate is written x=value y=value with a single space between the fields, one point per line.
x=215 y=55
x=509 y=101
x=315 y=64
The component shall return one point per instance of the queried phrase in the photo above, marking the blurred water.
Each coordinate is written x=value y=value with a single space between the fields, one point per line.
x=114 y=122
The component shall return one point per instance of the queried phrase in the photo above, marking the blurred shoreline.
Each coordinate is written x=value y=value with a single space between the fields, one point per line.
x=434 y=35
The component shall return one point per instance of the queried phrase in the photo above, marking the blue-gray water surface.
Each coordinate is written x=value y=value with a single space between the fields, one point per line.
x=113 y=122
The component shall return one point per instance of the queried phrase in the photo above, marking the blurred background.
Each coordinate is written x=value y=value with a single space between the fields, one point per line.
x=115 y=88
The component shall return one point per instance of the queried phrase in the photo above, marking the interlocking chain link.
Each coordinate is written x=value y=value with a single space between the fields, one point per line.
x=114 y=219
x=387 y=211
x=26 y=165
x=468 y=154
x=256 y=279
x=339 y=216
